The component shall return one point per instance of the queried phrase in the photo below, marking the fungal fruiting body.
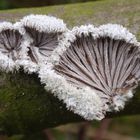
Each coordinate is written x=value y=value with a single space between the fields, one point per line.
x=30 y=42
x=44 y=33
x=13 y=46
x=94 y=70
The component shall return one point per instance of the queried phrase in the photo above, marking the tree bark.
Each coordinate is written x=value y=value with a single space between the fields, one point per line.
x=25 y=107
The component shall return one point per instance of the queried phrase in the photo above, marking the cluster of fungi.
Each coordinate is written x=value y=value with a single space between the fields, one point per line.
x=93 y=70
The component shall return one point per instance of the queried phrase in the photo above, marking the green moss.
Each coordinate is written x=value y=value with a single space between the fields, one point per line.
x=25 y=107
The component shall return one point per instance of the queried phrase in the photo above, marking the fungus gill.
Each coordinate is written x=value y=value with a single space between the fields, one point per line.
x=94 y=70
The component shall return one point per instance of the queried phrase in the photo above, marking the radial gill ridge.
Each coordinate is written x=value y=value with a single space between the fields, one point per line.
x=109 y=65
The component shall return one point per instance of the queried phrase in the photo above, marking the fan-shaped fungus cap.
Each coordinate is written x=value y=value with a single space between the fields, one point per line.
x=44 y=33
x=94 y=70
x=13 y=46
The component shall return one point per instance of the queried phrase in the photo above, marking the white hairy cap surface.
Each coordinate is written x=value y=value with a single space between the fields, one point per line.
x=104 y=60
x=44 y=33
x=13 y=46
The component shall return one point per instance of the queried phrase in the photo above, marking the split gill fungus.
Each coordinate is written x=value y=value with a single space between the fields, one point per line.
x=93 y=70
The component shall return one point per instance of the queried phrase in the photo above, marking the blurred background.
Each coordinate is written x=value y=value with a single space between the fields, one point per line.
x=9 y=4
x=122 y=128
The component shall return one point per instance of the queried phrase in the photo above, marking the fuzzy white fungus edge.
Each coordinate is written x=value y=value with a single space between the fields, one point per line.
x=7 y=64
x=43 y=23
x=84 y=101
x=119 y=101
x=113 y=31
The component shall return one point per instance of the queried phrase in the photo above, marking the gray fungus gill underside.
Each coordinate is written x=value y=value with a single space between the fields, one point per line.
x=93 y=70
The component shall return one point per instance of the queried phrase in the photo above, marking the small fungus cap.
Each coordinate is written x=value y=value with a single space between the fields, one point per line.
x=94 y=69
x=13 y=46
x=44 y=33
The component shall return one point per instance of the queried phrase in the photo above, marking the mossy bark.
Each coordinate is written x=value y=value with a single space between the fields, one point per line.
x=25 y=106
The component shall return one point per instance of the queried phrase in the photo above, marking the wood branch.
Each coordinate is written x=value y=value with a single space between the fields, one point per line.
x=25 y=107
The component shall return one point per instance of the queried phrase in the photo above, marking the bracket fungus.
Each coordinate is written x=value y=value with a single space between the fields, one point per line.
x=94 y=70
x=13 y=46
x=44 y=33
